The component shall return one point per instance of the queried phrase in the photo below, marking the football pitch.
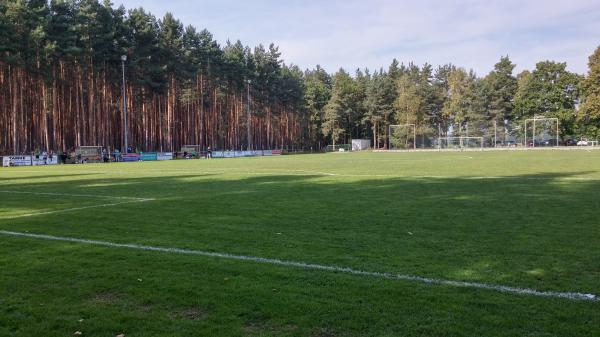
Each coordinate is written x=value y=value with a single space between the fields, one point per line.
x=343 y=244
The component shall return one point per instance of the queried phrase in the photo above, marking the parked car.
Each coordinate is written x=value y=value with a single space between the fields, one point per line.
x=571 y=142
x=537 y=143
x=582 y=143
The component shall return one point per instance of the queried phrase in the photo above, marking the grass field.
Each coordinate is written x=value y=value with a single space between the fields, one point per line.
x=526 y=220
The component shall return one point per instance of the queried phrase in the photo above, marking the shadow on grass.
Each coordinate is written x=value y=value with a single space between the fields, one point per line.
x=536 y=230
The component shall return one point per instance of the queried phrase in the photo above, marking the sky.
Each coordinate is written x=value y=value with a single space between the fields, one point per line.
x=353 y=34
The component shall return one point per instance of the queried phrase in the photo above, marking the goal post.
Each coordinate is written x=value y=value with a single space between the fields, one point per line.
x=541 y=136
x=460 y=143
x=403 y=136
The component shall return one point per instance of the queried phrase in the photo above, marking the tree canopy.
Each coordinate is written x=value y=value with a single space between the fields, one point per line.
x=60 y=87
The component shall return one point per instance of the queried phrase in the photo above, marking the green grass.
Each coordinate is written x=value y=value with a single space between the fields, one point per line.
x=519 y=219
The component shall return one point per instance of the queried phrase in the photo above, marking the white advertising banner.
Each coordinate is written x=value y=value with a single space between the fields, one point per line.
x=164 y=156
x=39 y=160
x=16 y=161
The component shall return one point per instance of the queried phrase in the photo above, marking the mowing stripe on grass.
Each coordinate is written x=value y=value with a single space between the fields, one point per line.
x=311 y=266
x=77 y=195
x=289 y=172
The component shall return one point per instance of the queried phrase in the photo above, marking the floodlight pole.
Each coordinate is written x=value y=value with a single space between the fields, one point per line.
x=415 y=137
x=439 y=136
x=495 y=133
x=249 y=119
x=123 y=59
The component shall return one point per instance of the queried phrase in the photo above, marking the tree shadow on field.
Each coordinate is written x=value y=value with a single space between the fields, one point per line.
x=536 y=230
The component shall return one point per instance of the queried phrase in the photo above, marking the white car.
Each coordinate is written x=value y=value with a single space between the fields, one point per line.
x=582 y=143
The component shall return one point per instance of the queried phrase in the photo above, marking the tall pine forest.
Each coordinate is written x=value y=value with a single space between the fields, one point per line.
x=61 y=87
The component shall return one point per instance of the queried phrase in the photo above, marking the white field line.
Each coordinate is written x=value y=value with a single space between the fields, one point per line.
x=127 y=200
x=311 y=266
x=72 y=209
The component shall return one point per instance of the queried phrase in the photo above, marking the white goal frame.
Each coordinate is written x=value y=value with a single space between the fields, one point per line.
x=534 y=120
x=479 y=139
x=85 y=153
x=414 y=127
x=89 y=147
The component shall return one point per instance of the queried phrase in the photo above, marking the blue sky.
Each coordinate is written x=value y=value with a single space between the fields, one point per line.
x=370 y=33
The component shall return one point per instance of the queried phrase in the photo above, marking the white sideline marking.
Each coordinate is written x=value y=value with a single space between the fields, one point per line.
x=311 y=266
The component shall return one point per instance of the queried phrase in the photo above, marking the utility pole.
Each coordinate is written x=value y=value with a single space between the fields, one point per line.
x=123 y=59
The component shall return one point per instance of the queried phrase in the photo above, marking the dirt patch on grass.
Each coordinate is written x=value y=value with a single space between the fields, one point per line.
x=107 y=297
x=189 y=314
x=323 y=332
x=257 y=327
x=144 y=308
x=122 y=301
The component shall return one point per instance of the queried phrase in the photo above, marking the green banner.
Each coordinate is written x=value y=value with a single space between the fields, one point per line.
x=148 y=156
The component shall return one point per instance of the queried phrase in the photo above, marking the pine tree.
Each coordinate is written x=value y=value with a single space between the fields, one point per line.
x=61 y=87
x=501 y=87
x=380 y=106
x=317 y=95
x=339 y=107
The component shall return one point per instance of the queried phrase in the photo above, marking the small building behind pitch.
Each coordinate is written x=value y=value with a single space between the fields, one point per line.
x=361 y=144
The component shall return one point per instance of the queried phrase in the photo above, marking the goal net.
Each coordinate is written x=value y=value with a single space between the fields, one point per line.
x=89 y=154
x=411 y=136
x=195 y=151
x=541 y=132
x=403 y=137
x=339 y=148
x=460 y=143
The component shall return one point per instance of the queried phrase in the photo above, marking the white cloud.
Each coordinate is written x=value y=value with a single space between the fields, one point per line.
x=353 y=33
